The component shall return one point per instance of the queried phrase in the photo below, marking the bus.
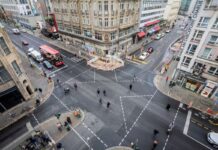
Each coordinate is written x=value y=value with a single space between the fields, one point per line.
x=52 y=55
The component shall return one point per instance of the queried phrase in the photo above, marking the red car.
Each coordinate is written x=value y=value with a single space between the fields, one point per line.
x=150 y=50
x=25 y=42
x=59 y=63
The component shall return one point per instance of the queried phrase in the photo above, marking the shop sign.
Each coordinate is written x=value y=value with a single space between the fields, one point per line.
x=196 y=9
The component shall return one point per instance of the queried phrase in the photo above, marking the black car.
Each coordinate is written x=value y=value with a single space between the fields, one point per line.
x=47 y=64
x=46 y=33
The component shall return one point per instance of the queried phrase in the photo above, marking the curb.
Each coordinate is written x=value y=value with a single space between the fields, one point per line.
x=155 y=81
x=119 y=148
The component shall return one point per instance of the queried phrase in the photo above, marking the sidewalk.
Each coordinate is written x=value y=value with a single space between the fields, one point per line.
x=178 y=93
x=50 y=129
x=38 y=81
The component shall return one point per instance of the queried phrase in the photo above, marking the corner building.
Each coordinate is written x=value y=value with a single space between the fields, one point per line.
x=16 y=91
x=100 y=27
x=198 y=66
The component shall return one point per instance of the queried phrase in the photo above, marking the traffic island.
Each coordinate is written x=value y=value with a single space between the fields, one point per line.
x=107 y=63
x=48 y=133
x=119 y=148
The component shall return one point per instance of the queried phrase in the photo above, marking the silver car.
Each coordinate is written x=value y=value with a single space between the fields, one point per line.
x=212 y=138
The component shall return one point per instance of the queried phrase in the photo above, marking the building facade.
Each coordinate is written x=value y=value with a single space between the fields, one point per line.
x=22 y=11
x=197 y=69
x=16 y=91
x=171 y=11
x=101 y=27
x=151 y=16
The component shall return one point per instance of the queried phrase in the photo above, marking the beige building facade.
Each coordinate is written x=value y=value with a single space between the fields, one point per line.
x=16 y=90
x=198 y=66
x=102 y=27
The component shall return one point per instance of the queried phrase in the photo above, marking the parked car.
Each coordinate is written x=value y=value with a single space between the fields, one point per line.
x=47 y=64
x=157 y=37
x=30 y=50
x=144 y=55
x=212 y=138
x=168 y=30
x=150 y=50
x=16 y=31
x=24 y=42
x=23 y=30
x=46 y=33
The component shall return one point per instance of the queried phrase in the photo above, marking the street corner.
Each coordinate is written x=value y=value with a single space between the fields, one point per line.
x=61 y=124
x=119 y=148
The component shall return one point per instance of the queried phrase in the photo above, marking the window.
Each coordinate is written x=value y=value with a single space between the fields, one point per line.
x=203 y=22
x=100 y=22
x=105 y=5
x=186 y=61
x=112 y=5
x=4 y=46
x=215 y=25
x=87 y=33
x=213 y=39
x=121 y=20
x=4 y=75
x=99 y=6
x=106 y=22
x=112 y=22
x=16 y=68
x=122 y=5
x=98 y=35
x=206 y=53
x=191 y=49
x=126 y=20
x=213 y=71
x=197 y=35
x=113 y=35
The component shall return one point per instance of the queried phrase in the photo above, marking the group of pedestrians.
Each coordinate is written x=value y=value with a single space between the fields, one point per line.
x=100 y=99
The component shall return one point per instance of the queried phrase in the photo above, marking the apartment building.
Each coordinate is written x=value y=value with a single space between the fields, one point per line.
x=171 y=11
x=101 y=27
x=197 y=69
x=16 y=91
x=151 y=16
x=22 y=11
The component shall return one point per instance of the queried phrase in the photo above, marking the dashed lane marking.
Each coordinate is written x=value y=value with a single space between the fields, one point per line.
x=115 y=75
x=124 y=118
x=174 y=119
x=137 y=118
x=94 y=134
x=82 y=124
x=68 y=109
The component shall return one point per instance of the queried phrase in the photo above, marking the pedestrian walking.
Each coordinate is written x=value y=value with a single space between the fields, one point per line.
x=154 y=144
x=75 y=86
x=167 y=78
x=100 y=100
x=130 y=87
x=134 y=78
x=98 y=91
x=104 y=92
x=155 y=132
x=108 y=104
x=168 y=107
x=58 y=81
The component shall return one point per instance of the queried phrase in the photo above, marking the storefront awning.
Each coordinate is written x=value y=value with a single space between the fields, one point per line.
x=157 y=28
x=151 y=23
x=141 y=34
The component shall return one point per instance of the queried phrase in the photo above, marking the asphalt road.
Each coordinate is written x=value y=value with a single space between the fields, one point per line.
x=132 y=116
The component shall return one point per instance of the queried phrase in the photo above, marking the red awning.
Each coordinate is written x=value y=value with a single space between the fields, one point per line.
x=141 y=34
x=157 y=28
x=151 y=23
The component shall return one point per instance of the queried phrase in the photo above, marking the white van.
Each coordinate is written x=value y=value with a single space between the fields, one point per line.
x=36 y=55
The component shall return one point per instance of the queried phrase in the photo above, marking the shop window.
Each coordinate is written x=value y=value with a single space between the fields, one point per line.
x=206 y=53
x=87 y=33
x=213 y=71
x=16 y=68
x=4 y=46
x=191 y=49
x=186 y=61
